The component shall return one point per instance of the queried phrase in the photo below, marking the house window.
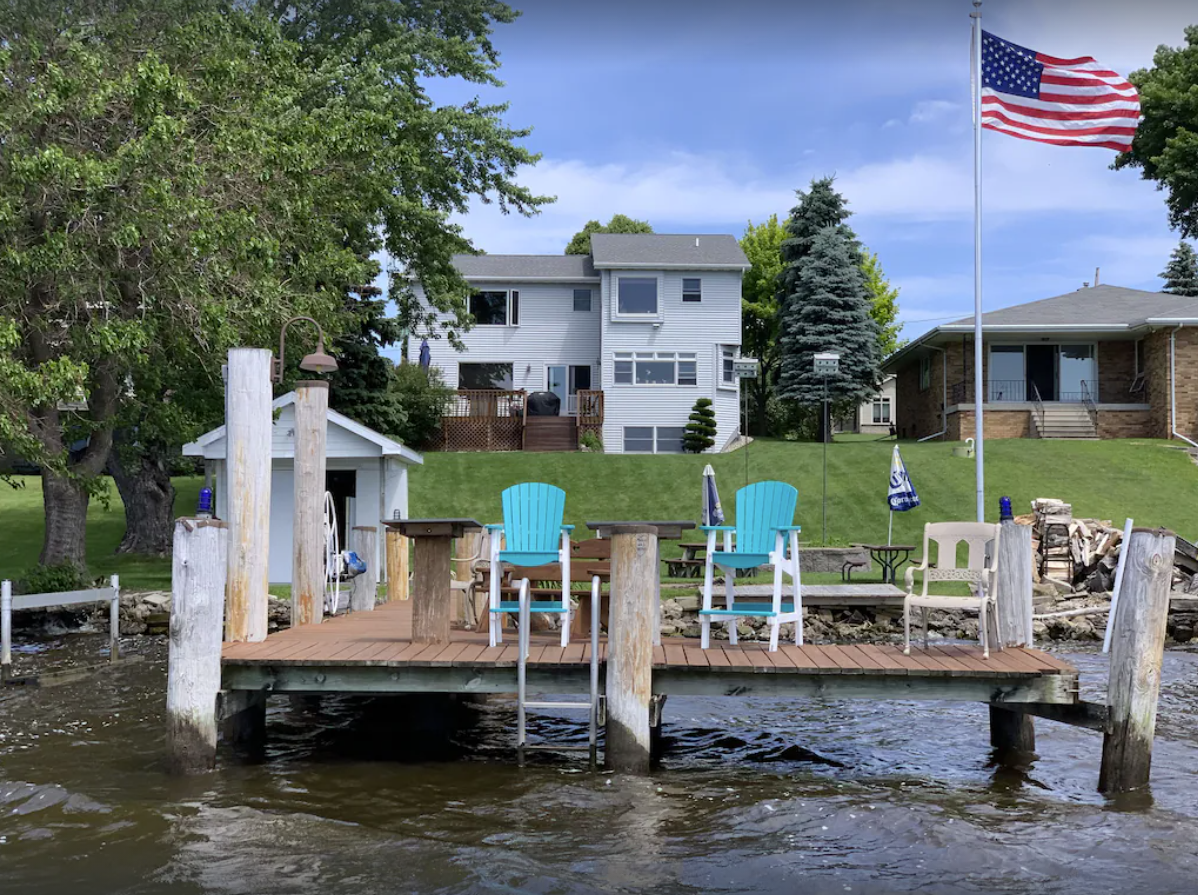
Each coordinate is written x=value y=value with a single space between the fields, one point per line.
x=485 y=376
x=925 y=373
x=881 y=410
x=653 y=439
x=655 y=368
x=582 y=299
x=727 y=366
x=1139 y=357
x=495 y=308
x=637 y=295
x=692 y=289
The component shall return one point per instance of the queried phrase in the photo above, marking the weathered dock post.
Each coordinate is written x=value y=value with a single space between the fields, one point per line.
x=248 y=427
x=198 y=570
x=307 y=559
x=633 y=619
x=397 y=565
x=1137 y=650
x=1013 y=732
x=365 y=587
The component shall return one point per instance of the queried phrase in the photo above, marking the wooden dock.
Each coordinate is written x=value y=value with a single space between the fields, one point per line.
x=373 y=652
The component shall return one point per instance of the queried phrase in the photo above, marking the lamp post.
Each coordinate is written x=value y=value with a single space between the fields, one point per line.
x=311 y=419
x=826 y=364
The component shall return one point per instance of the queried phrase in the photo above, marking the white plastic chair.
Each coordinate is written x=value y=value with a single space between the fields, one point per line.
x=980 y=569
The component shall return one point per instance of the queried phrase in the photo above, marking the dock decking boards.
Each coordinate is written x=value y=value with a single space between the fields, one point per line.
x=373 y=652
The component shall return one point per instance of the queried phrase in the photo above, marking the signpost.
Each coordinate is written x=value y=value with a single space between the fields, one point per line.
x=745 y=368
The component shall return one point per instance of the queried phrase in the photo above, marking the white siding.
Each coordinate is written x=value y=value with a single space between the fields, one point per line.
x=698 y=327
x=339 y=442
x=550 y=332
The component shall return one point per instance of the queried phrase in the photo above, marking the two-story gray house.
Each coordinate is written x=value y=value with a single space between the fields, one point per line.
x=628 y=338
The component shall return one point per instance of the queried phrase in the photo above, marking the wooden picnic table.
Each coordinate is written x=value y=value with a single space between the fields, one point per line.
x=432 y=546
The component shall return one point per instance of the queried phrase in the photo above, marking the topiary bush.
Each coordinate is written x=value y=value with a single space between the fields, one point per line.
x=700 y=431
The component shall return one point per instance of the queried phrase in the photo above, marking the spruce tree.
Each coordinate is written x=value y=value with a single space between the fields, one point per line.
x=700 y=431
x=829 y=310
x=1181 y=276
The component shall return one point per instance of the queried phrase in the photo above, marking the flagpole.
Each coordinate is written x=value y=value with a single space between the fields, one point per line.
x=978 y=382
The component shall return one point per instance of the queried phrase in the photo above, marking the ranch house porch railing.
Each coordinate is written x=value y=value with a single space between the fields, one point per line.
x=1108 y=390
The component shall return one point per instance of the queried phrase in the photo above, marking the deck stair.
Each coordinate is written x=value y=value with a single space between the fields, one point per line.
x=551 y=433
x=1064 y=420
x=523 y=703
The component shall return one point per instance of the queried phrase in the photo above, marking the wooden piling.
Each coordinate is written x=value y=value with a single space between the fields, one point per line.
x=397 y=566
x=248 y=426
x=364 y=588
x=193 y=669
x=1137 y=650
x=430 y=615
x=307 y=560
x=5 y=628
x=114 y=620
x=464 y=548
x=630 y=647
x=1013 y=731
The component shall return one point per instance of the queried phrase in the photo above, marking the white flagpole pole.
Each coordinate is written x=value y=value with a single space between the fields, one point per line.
x=978 y=382
x=890 y=532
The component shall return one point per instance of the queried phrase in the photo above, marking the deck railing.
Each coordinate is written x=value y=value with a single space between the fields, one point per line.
x=1037 y=408
x=1090 y=405
x=1107 y=390
x=590 y=411
x=484 y=419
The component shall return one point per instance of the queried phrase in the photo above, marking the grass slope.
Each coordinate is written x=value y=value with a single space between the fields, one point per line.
x=1154 y=482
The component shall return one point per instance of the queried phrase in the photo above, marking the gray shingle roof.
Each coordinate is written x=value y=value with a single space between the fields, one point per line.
x=1097 y=306
x=693 y=250
x=525 y=267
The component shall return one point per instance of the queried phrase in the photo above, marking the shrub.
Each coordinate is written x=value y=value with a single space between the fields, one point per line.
x=52 y=579
x=791 y=422
x=591 y=441
x=700 y=431
x=423 y=397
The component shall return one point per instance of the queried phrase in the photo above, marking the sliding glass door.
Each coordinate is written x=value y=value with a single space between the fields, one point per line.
x=1078 y=372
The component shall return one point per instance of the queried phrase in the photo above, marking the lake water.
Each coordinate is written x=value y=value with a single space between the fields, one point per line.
x=753 y=795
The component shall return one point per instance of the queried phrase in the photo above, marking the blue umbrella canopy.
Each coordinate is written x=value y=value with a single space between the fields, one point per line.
x=713 y=513
x=426 y=355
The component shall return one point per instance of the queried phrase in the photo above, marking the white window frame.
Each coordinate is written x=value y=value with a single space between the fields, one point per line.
x=676 y=357
x=699 y=292
x=925 y=372
x=723 y=353
x=653 y=429
x=881 y=411
x=590 y=299
x=507 y=307
x=618 y=315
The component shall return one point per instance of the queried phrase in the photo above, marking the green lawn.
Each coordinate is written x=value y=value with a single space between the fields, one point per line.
x=1155 y=482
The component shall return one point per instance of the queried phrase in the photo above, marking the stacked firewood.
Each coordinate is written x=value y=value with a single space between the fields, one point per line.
x=1084 y=553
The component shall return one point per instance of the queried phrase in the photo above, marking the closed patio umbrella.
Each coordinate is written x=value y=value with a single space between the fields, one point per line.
x=713 y=513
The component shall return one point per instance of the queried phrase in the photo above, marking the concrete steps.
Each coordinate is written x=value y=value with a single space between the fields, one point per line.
x=1064 y=421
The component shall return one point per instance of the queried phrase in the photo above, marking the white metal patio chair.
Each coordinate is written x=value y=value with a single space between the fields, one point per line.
x=980 y=569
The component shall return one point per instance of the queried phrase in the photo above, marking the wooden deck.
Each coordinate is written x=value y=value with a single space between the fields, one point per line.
x=372 y=652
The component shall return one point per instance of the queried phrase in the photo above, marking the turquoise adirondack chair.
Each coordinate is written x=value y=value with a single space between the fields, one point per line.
x=532 y=534
x=765 y=533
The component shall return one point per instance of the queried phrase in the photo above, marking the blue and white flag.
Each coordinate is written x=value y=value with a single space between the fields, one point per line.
x=713 y=513
x=902 y=494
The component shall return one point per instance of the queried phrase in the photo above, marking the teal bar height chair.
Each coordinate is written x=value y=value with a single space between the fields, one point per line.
x=765 y=533
x=532 y=534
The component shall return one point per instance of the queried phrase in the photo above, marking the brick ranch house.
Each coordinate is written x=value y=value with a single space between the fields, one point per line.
x=1101 y=362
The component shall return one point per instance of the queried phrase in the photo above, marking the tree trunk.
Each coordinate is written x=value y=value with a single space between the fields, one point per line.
x=65 y=501
x=143 y=479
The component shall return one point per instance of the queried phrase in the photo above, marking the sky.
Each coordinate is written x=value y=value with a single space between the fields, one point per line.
x=701 y=116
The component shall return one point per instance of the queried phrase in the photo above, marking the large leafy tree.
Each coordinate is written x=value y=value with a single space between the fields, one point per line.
x=1165 y=146
x=762 y=245
x=361 y=387
x=180 y=177
x=580 y=242
x=823 y=303
x=1181 y=274
x=883 y=304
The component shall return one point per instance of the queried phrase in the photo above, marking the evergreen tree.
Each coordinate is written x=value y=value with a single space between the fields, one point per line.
x=829 y=310
x=700 y=431
x=361 y=386
x=1181 y=276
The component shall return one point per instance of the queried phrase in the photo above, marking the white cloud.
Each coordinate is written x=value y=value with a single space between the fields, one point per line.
x=930 y=111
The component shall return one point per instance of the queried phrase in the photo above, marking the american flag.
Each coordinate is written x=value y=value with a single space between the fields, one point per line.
x=1066 y=102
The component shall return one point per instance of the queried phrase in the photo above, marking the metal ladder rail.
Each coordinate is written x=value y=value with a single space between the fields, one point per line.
x=522 y=701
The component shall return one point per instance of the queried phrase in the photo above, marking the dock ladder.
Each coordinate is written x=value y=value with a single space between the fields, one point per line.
x=523 y=703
